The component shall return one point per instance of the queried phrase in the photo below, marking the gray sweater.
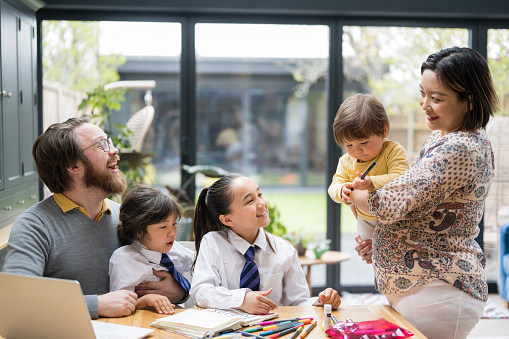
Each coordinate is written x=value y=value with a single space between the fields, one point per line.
x=45 y=241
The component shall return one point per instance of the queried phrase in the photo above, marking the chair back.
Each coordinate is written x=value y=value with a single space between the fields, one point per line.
x=139 y=124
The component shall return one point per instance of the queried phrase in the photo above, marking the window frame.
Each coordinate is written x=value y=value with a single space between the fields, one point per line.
x=478 y=40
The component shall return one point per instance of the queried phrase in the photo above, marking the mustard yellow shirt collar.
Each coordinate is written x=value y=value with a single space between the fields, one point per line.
x=67 y=204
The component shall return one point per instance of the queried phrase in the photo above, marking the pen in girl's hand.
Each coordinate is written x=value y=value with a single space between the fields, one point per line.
x=367 y=171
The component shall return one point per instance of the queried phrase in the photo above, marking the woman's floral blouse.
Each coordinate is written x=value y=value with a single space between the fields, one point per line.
x=428 y=217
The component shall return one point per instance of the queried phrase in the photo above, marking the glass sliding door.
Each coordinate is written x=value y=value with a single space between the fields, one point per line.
x=497 y=203
x=385 y=62
x=262 y=111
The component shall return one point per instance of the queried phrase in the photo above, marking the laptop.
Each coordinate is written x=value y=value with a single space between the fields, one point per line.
x=37 y=307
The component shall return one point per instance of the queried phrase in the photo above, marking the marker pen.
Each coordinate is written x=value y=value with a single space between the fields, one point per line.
x=367 y=171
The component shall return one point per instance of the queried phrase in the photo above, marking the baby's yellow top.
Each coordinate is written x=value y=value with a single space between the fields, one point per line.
x=390 y=163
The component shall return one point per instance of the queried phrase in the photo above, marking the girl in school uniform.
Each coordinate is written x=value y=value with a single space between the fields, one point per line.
x=147 y=228
x=238 y=264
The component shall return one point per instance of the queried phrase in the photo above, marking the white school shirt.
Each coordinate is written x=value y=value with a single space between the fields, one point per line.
x=132 y=265
x=216 y=278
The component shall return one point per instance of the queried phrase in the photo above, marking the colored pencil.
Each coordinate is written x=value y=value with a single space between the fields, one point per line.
x=263 y=328
x=280 y=321
x=285 y=332
x=334 y=320
x=247 y=334
x=310 y=328
x=284 y=324
x=296 y=334
x=283 y=328
x=226 y=336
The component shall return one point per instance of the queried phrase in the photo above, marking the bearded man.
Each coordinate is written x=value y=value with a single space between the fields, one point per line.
x=72 y=234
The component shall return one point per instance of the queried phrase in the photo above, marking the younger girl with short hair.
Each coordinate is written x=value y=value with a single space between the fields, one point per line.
x=238 y=264
x=147 y=228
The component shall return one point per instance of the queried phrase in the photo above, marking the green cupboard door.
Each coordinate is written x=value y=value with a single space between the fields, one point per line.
x=10 y=98
x=27 y=110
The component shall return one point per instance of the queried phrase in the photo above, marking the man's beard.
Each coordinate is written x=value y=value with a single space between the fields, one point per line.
x=104 y=180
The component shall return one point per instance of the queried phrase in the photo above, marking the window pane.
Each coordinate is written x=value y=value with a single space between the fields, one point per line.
x=262 y=111
x=497 y=202
x=80 y=56
x=385 y=62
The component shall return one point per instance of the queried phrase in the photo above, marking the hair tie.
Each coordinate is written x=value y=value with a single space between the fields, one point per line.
x=207 y=196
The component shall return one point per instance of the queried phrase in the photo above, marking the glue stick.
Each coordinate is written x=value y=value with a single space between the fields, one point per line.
x=327 y=316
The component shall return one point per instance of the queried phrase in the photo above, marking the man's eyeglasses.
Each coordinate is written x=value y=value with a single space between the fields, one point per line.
x=104 y=143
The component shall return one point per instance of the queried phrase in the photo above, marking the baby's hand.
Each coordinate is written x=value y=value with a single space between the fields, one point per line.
x=161 y=303
x=363 y=184
x=329 y=296
x=256 y=302
x=346 y=190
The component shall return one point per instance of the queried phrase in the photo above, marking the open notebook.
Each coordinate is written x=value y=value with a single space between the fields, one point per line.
x=36 y=307
x=196 y=322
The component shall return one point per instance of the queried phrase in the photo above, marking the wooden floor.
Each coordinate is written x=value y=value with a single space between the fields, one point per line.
x=492 y=328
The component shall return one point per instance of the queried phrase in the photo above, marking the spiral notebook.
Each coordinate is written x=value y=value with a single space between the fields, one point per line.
x=196 y=322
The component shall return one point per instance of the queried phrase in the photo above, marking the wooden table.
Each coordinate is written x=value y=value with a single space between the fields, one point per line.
x=328 y=258
x=143 y=318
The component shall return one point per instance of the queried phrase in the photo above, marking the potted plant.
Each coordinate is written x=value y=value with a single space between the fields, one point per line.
x=298 y=241
x=184 y=229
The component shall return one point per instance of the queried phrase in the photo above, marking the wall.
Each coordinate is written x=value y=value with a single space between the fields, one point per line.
x=59 y=104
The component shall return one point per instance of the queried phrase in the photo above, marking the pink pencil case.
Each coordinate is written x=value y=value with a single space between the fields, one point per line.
x=373 y=329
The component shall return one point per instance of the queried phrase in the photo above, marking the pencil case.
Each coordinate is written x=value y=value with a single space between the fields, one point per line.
x=373 y=329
